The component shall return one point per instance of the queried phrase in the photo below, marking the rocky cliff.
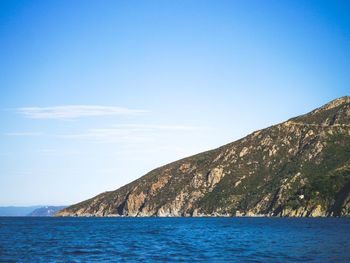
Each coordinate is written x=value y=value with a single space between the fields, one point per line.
x=297 y=168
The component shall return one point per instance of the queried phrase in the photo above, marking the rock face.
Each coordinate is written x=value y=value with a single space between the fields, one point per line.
x=297 y=168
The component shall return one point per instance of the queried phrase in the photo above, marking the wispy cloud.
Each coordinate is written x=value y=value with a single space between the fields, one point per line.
x=58 y=152
x=24 y=134
x=151 y=127
x=108 y=135
x=75 y=111
x=129 y=132
x=118 y=133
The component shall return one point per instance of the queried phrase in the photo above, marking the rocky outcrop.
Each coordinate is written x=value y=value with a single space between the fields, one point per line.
x=297 y=168
x=214 y=176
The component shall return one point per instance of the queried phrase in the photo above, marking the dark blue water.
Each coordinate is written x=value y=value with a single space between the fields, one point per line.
x=174 y=240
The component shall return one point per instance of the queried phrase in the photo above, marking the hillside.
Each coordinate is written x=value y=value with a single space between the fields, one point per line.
x=300 y=167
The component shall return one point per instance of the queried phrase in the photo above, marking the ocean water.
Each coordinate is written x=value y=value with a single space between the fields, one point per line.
x=174 y=239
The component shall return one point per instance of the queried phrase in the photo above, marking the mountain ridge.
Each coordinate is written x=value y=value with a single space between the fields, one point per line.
x=46 y=211
x=34 y=210
x=300 y=167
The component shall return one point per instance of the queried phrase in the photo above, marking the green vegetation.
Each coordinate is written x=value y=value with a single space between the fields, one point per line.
x=281 y=170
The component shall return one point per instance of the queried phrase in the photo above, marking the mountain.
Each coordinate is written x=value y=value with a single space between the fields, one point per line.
x=16 y=210
x=46 y=211
x=30 y=210
x=300 y=167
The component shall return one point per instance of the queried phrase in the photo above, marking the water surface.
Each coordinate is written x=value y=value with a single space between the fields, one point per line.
x=174 y=239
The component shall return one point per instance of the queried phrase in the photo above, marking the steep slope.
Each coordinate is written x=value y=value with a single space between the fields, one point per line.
x=297 y=168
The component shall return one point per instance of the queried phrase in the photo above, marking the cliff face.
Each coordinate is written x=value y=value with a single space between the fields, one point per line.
x=297 y=168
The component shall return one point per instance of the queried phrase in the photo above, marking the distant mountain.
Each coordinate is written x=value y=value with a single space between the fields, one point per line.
x=300 y=167
x=46 y=211
x=30 y=210
x=17 y=210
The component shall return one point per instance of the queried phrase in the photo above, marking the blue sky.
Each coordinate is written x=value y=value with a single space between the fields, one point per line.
x=96 y=93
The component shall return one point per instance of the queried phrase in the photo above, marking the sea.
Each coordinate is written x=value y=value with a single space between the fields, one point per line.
x=40 y=239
